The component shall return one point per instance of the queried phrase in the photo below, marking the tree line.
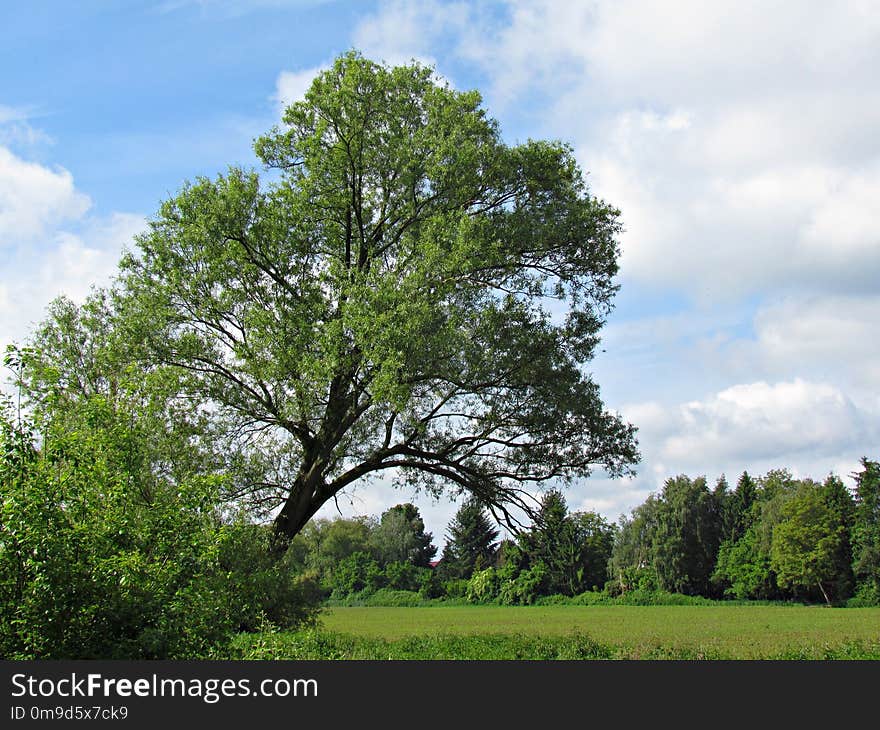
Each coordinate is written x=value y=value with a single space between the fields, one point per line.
x=771 y=538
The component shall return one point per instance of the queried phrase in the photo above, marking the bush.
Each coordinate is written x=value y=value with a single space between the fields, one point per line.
x=100 y=561
x=259 y=588
x=525 y=588
x=389 y=597
x=357 y=573
x=866 y=595
x=405 y=576
x=483 y=586
x=95 y=565
x=455 y=588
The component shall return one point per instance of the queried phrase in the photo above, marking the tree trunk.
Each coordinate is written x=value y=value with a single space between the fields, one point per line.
x=828 y=602
x=299 y=508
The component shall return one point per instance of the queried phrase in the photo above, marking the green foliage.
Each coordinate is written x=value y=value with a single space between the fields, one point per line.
x=324 y=543
x=471 y=541
x=660 y=638
x=258 y=588
x=632 y=552
x=383 y=302
x=324 y=645
x=456 y=588
x=91 y=566
x=686 y=536
x=574 y=549
x=407 y=577
x=866 y=531
x=358 y=572
x=743 y=569
x=525 y=588
x=807 y=543
x=483 y=586
x=400 y=537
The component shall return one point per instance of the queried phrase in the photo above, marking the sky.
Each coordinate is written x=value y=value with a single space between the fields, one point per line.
x=738 y=139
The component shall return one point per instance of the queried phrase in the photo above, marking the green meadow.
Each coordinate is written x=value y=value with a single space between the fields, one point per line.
x=579 y=632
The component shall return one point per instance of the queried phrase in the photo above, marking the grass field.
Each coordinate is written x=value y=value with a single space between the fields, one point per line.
x=570 y=632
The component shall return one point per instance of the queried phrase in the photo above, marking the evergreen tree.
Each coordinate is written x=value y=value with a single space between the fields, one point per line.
x=842 y=509
x=746 y=495
x=471 y=541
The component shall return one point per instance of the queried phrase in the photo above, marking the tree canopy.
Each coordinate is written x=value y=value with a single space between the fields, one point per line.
x=410 y=293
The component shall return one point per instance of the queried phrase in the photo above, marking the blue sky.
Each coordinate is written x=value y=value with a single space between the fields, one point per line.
x=739 y=140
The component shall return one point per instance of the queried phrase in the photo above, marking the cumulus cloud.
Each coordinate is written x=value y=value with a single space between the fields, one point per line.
x=402 y=31
x=739 y=140
x=292 y=86
x=49 y=243
x=812 y=427
x=34 y=198
x=821 y=337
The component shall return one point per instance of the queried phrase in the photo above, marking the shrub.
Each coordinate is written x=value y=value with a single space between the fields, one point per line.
x=100 y=560
x=525 y=588
x=866 y=595
x=258 y=587
x=455 y=588
x=357 y=573
x=95 y=565
x=483 y=586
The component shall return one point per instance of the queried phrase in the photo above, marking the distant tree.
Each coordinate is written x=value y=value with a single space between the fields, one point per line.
x=686 y=537
x=471 y=541
x=549 y=542
x=806 y=544
x=746 y=495
x=400 y=537
x=727 y=507
x=841 y=504
x=632 y=555
x=573 y=548
x=358 y=572
x=595 y=538
x=866 y=528
x=327 y=542
x=743 y=571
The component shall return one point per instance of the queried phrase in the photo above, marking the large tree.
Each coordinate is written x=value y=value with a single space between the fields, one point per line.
x=407 y=293
x=686 y=536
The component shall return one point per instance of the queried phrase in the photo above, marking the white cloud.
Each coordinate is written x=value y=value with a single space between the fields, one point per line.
x=426 y=30
x=814 y=428
x=77 y=263
x=830 y=338
x=48 y=243
x=739 y=140
x=34 y=198
x=292 y=86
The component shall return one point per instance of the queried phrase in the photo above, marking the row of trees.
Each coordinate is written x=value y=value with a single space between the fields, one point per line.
x=561 y=553
x=770 y=538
